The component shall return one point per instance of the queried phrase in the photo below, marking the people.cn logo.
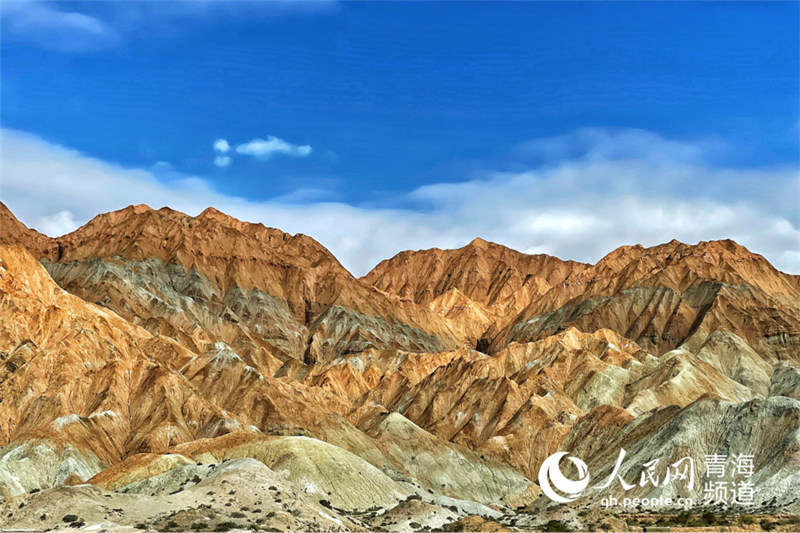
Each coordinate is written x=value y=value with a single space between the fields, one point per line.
x=551 y=479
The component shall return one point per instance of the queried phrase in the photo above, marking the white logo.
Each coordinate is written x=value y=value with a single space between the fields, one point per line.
x=549 y=473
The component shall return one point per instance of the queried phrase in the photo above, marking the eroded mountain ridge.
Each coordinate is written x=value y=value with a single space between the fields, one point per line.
x=148 y=344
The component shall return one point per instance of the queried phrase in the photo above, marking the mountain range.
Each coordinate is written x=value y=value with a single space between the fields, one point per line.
x=165 y=371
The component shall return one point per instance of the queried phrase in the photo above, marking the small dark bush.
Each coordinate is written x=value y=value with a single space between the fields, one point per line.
x=226 y=526
x=69 y=518
x=453 y=526
x=709 y=518
x=556 y=525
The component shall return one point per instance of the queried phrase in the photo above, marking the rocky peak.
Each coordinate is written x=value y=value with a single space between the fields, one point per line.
x=12 y=231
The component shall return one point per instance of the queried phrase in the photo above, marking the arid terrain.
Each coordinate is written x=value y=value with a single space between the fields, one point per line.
x=162 y=371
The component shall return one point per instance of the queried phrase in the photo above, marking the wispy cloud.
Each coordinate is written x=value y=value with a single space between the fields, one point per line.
x=94 y=26
x=221 y=146
x=266 y=148
x=44 y=24
x=222 y=161
x=263 y=149
x=577 y=206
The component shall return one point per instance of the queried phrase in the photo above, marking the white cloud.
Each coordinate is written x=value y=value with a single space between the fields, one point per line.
x=57 y=223
x=266 y=148
x=221 y=146
x=222 y=161
x=580 y=208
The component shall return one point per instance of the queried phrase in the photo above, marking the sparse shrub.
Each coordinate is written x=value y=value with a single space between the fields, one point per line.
x=172 y=524
x=415 y=525
x=683 y=517
x=746 y=519
x=709 y=518
x=198 y=526
x=69 y=518
x=226 y=526
x=767 y=525
x=605 y=526
x=237 y=514
x=325 y=503
x=556 y=525
x=453 y=526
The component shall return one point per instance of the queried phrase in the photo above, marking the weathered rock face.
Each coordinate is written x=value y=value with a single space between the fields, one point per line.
x=75 y=373
x=485 y=272
x=662 y=296
x=213 y=278
x=477 y=285
x=766 y=429
x=154 y=354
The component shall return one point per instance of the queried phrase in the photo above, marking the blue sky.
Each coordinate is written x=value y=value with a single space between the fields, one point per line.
x=403 y=111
